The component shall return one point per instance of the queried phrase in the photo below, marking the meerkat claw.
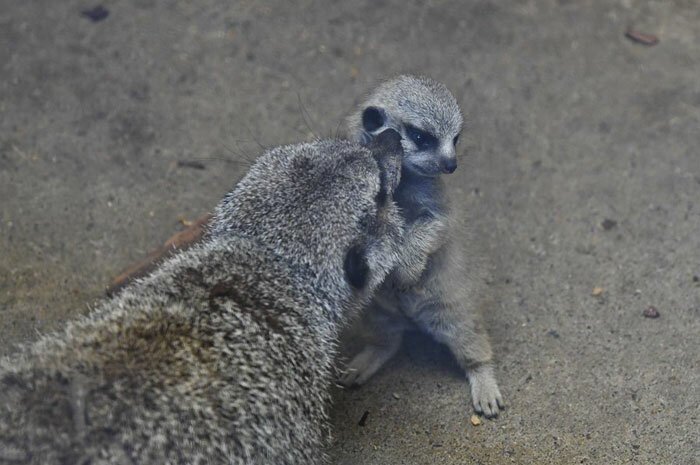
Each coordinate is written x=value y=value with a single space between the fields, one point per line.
x=486 y=397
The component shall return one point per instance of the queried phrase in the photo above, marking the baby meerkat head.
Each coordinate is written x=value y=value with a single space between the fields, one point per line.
x=426 y=115
x=321 y=207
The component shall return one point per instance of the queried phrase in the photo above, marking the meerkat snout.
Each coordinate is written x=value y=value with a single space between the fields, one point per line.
x=449 y=165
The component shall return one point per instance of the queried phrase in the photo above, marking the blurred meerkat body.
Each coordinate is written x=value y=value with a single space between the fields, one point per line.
x=224 y=353
x=440 y=284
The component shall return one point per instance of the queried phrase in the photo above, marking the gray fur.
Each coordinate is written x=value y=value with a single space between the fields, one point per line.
x=223 y=355
x=440 y=284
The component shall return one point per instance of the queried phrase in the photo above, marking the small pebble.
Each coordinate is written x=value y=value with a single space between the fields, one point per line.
x=363 y=420
x=476 y=421
x=608 y=224
x=651 y=312
x=396 y=396
x=597 y=291
x=190 y=164
x=96 y=14
x=642 y=38
x=184 y=221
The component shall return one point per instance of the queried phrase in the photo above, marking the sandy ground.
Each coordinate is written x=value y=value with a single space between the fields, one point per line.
x=569 y=124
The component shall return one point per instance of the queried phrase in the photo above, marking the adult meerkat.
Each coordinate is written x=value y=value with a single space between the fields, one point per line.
x=440 y=285
x=224 y=354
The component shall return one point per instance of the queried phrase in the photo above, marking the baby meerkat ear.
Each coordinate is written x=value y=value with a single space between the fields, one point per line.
x=356 y=267
x=373 y=118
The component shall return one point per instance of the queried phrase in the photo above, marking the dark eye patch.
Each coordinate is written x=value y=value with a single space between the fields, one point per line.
x=356 y=267
x=455 y=140
x=423 y=140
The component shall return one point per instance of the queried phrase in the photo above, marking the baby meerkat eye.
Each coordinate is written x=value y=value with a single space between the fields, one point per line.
x=423 y=140
x=455 y=140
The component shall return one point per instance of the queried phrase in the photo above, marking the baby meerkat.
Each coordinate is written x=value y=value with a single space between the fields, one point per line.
x=440 y=285
x=224 y=354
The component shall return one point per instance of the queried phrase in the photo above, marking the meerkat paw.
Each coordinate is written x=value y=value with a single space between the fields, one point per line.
x=365 y=364
x=486 y=396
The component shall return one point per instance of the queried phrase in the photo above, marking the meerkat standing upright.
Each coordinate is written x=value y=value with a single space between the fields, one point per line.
x=440 y=285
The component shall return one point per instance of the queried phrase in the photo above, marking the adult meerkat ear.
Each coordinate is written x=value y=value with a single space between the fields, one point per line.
x=387 y=150
x=356 y=267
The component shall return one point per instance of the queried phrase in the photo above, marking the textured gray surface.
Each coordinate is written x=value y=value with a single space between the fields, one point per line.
x=568 y=124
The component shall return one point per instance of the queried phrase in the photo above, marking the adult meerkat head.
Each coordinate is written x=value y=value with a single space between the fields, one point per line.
x=426 y=115
x=323 y=207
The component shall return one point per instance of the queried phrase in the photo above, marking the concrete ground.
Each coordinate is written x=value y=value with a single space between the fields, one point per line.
x=581 y=169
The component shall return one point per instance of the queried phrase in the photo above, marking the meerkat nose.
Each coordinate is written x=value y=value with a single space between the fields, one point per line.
x=449 y=165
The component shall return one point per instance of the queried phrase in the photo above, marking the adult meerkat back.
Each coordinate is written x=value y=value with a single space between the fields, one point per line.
x=223 y=354
x=439 y=284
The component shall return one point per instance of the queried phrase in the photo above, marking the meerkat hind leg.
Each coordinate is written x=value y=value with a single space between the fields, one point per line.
x=469 y=344
x=486 y=397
